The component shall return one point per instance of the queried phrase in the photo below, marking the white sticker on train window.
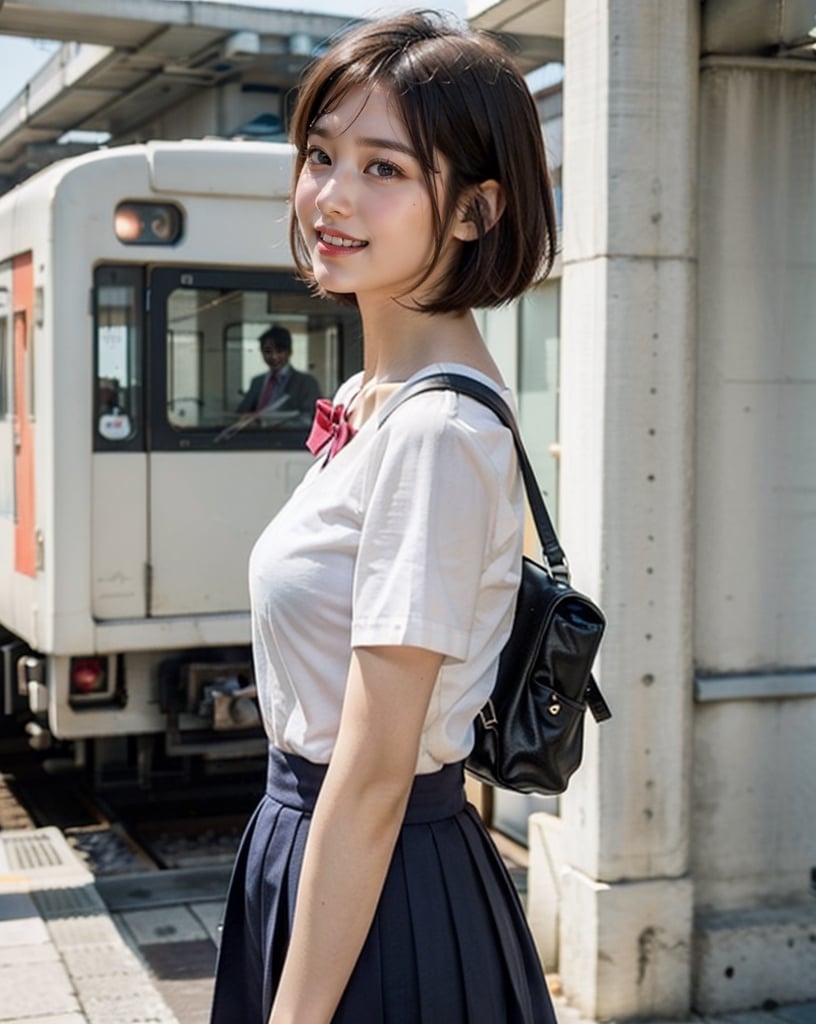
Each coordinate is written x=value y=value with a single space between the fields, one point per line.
x=112 y=346
x=114 y=427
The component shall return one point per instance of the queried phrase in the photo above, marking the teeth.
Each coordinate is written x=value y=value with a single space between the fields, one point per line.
x=346 y=243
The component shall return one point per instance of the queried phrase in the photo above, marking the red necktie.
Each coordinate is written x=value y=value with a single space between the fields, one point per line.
x=268 y=390
x=330 y=426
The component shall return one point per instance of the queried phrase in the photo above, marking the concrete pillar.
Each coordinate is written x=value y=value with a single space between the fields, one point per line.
x=627 y=344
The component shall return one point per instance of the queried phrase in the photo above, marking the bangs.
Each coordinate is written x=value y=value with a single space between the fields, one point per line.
x=332 y=89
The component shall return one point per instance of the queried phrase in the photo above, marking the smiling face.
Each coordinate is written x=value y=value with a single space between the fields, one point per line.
x=275 y=358
x=361 y=201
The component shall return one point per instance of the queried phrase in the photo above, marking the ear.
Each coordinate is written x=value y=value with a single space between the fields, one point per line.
x=488 y=197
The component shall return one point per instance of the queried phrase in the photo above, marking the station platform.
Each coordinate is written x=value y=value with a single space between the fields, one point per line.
x=138 y=948
x=63 y=960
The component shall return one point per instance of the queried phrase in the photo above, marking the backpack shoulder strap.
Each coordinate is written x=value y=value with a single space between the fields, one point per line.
x=554 y=555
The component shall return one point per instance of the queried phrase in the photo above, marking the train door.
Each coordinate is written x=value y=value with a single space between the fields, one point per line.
x=219 y=467
x=6 y=409
x=25 y=554
x=120 y=496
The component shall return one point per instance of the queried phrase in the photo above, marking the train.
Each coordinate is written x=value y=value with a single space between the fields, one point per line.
x=135 y=283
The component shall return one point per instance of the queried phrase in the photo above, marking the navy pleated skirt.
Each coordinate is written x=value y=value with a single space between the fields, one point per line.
x=449 y=943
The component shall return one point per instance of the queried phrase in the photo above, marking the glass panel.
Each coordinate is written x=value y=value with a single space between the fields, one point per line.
x=118 y=393
x=244 y=361
x=6 y=415
x=538 y=387
x=5 y=366
x=31 y=394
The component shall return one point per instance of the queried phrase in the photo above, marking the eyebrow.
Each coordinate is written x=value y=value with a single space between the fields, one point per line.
x=368 y=142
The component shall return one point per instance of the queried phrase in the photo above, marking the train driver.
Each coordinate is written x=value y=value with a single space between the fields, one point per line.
x=282 y=389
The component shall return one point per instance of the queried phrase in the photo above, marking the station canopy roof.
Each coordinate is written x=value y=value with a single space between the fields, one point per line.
x=124 y=62
x=533 y=30
x=729 y=28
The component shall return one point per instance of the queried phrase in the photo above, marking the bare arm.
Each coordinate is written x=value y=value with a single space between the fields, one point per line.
x=354 y=828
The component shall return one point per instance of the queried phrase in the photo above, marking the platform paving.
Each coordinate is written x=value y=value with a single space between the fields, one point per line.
x=139 y=949
x=63 y=960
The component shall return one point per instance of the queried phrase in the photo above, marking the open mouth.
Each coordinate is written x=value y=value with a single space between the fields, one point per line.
x=340 y=241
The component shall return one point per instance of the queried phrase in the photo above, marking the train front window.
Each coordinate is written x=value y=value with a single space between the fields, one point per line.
x=243 y=364
x=236 y=362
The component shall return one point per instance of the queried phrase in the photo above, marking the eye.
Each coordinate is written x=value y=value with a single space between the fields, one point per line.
x=384 y=169
x=316 y=156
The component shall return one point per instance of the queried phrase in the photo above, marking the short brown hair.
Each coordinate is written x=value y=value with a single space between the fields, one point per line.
x=459 y=94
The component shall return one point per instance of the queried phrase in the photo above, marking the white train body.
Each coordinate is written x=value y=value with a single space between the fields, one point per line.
x=131 y=490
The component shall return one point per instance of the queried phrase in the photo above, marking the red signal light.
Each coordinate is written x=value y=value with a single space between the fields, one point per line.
x=88 y=675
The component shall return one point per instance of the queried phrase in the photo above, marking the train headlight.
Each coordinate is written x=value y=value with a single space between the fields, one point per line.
x=137 y=223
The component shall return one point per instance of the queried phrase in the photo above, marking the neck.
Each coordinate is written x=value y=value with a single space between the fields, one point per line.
x=398 y=342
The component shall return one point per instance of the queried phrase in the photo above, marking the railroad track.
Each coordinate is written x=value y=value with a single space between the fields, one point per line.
x=187 y=830
x=122 y=829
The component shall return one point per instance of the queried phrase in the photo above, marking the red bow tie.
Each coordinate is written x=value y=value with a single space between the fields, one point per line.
x=330 y=425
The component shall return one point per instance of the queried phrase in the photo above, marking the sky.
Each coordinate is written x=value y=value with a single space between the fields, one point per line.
x=21 y=58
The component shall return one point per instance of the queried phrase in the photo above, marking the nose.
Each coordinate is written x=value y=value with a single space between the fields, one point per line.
x=336 y=195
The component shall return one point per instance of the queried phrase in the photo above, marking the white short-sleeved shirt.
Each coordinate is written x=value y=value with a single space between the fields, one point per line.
x=411 y=534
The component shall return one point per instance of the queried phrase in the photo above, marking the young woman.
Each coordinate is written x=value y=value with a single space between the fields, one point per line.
x=365 y=889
